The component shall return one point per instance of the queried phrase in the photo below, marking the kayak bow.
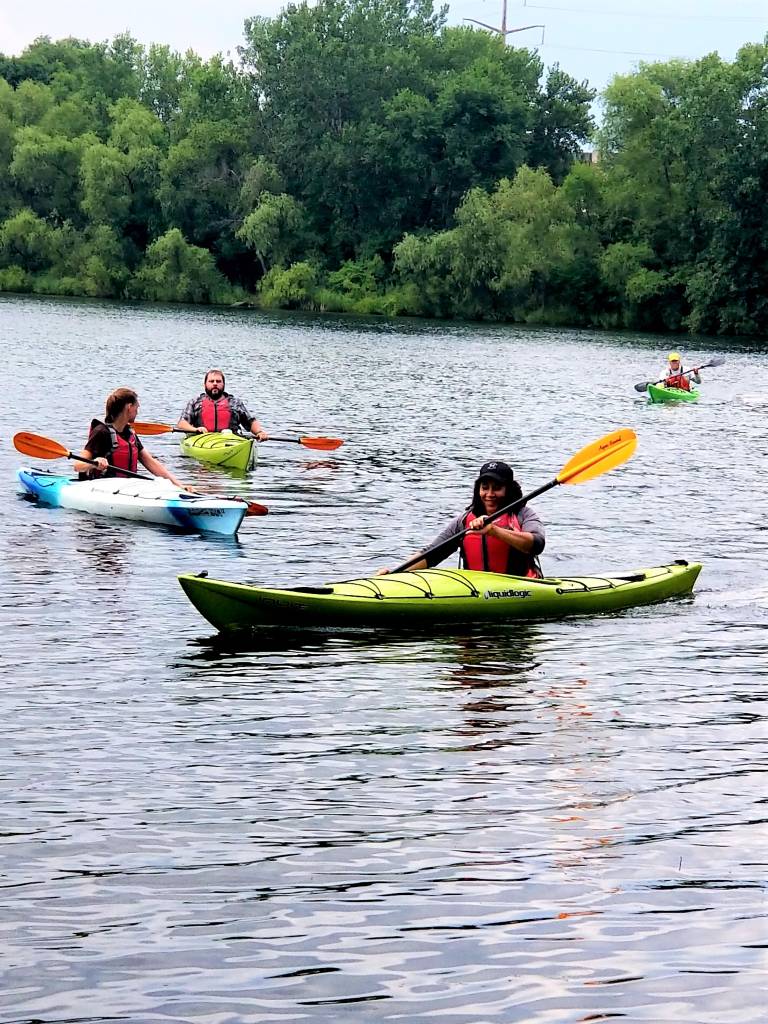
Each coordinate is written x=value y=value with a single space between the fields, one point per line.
x=232 y=451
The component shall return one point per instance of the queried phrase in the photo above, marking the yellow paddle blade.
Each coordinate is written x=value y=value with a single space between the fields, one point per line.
x=600 y=456
x=38 y=447
x=152 y=428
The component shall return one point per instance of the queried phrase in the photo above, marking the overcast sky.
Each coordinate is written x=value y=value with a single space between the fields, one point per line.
x=592 y=39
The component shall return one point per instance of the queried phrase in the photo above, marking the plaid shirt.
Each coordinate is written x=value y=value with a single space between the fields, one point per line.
x=240 y=415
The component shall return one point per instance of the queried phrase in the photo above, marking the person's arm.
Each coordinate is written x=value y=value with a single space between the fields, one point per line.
x=530 y=539
x=86 y=467
x=187 y=420
x=695 y=377
x=258 y=431
x=247 y=421
x=97 y=447
x=190 y=427
x=158 y=469
x=520 y=540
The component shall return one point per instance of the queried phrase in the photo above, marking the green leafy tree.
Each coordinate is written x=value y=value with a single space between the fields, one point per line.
x=46 y=170
x=31 y=103
x=275 y=230
x=121 y=178
x=200 y=191
x=26 y=241
x=293 y=287
x=562 y=123
x=175 y=271
x=500 y=258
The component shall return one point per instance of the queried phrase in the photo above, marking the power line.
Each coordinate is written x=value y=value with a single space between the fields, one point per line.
x=642 y=14
x=623 y=53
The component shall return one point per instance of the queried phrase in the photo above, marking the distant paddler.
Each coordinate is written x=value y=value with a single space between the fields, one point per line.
x=677 y=377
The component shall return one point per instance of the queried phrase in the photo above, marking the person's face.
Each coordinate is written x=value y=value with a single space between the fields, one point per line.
x=492 y=493
x=132 y=410
x=214 y=385
x=674 y=364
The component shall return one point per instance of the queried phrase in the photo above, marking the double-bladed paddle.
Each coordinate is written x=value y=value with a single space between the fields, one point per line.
x=593 y=460
x=323 y=444
x=38 y=447
x=717 y=361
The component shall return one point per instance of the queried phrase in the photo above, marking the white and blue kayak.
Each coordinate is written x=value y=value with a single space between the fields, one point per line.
x=155 y=500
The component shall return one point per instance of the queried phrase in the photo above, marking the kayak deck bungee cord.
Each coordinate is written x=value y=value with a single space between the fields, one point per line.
x=433 y=597
x=233 y=451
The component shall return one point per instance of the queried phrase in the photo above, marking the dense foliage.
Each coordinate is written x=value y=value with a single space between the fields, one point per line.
x=364 y=156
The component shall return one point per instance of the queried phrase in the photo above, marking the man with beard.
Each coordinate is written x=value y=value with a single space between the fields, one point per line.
x=216 y=410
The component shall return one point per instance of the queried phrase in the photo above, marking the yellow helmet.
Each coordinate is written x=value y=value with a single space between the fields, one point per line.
x=673 y=357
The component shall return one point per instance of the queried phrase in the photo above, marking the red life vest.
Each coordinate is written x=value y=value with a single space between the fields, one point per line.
x=487 y=552
x=677 y=380
x=125 y=453
x=216 y=415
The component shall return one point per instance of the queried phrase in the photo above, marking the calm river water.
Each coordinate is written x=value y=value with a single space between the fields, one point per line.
x=553 y=823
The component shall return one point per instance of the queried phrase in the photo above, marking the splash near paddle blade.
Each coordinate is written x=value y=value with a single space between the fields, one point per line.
x=600 y=456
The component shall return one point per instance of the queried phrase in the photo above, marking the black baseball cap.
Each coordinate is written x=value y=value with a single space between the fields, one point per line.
x=496 y=470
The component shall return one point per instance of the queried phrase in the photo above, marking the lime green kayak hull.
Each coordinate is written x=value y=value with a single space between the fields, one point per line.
x=658 y=393
x=433 y=597
x=221 y=449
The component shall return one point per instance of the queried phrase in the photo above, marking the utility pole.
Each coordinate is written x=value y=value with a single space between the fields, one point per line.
x=503 y=31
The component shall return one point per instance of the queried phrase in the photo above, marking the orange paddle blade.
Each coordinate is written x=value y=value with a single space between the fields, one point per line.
x=323 y=444
x=38 y=447
x=600 y=456
x=152 y=428
x=255 y=509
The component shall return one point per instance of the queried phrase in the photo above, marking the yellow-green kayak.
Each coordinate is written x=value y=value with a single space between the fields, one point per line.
x=433 y=597
x=221 y=449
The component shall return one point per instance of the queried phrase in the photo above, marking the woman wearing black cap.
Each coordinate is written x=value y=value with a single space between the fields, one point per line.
x=510 y=544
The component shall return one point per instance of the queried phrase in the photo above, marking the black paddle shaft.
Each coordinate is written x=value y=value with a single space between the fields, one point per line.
x=124 y=472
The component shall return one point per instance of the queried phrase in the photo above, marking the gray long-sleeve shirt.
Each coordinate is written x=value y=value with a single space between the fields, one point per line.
x=526 y=516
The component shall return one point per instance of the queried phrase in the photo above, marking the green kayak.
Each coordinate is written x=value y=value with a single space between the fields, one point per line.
x=433 y=597
x=658 y=393
x=221 y=449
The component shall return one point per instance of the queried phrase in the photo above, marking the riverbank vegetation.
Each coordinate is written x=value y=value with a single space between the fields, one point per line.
x=363 y=156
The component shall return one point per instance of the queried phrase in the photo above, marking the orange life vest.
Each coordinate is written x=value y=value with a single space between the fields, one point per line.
x=488 y=553
x=678 y=380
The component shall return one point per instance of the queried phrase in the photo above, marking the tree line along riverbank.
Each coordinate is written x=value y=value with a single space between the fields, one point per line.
x=366 y=157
